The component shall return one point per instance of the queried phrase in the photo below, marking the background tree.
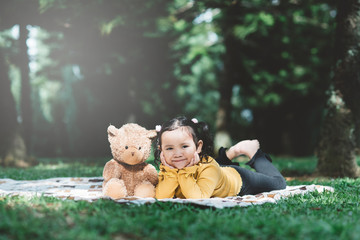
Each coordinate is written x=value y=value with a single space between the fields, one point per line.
x=15 y=135
x=107 y=72
x=93 y=63
x=267 y=74
x=12 y=145
x=336 y=151
x=26 y=103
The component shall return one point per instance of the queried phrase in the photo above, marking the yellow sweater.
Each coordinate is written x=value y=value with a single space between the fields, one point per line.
x=204 y=180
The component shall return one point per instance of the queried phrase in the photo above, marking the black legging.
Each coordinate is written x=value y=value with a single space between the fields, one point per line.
x=266 y=178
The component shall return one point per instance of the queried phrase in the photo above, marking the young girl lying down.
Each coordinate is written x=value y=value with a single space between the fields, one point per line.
x=188 y=171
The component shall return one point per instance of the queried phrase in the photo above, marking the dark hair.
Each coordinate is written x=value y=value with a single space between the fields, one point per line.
x=198 y=130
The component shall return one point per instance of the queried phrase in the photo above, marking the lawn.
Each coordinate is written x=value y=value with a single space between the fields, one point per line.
x=312 y=216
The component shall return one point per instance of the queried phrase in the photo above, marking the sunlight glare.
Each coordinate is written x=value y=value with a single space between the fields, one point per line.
x=207 y=16
x=15 y=32
x=32 y=44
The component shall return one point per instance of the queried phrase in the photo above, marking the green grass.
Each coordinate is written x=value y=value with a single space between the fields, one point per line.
x=49 y=168
x=312 y=216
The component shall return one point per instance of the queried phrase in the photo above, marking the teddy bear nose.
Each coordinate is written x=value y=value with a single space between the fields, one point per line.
x=132 y=153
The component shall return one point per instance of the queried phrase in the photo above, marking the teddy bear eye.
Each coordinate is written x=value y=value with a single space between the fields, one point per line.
x=139 y=148
x=126 y=147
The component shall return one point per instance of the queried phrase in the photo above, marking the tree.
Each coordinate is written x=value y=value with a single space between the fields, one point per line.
x=113 y=62
x=14 y=135
x=336 y=150
x=125 y=67
x=232 y=74
x=269 y=67
x=12 y=145
x=26 y=108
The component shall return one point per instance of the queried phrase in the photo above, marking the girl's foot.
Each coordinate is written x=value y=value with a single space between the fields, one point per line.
x=246 y=147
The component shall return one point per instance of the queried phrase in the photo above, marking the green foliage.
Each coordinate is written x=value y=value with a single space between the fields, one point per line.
x=198 y=50
x=107 y=27
x=253 y=23
x=280 y=69
x=276 y=65
x=100 y=62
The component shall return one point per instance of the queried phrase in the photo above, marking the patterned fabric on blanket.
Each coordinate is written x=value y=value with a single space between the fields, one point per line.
x=90 y=189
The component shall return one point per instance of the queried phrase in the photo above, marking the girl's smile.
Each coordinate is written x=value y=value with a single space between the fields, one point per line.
x=178 y=147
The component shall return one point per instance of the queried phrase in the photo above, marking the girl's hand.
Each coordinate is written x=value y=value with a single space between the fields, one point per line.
x=163 y=161
x=195 y=160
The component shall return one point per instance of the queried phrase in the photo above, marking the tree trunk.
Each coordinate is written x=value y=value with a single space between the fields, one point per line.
x=336 y=151
x=222 y=135
x=336 y=155
x=12 y=146
x=26 y=108
x=230 y=77
x=348 y=56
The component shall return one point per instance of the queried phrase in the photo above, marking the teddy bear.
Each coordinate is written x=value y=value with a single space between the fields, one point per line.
x=127 y=174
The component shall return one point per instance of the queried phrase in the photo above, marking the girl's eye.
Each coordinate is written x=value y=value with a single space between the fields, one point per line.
x=185 y=146
x=168 y=149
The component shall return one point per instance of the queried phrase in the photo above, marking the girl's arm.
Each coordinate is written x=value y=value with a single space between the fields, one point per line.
x=203 y=186
x=168 y=182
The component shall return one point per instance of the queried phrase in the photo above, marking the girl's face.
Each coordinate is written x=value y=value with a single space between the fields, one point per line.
x=179 y=147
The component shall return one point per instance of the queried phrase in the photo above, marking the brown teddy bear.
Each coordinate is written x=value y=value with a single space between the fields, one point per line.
x=127 y=174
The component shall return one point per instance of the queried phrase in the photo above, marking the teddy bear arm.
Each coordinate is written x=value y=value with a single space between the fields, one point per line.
x=151 y=174
x=111 y=170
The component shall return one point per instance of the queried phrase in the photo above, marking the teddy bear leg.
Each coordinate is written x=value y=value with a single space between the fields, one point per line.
x=144 y=189
x=115 y=188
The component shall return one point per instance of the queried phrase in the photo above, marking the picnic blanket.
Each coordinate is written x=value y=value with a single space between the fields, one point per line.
x=90 y=189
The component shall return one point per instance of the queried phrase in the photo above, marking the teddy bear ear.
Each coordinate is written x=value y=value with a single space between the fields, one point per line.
x=112 y=131
x=151 y=134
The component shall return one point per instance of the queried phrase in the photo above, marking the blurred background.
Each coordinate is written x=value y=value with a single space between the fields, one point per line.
x=251 y=69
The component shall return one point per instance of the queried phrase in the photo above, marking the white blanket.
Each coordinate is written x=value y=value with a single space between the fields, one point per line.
x=90 y=189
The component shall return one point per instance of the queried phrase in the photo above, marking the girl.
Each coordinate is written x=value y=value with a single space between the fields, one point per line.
x=188 y=171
